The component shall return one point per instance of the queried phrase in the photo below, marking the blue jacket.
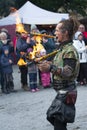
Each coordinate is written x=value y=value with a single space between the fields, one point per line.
x=22 y=46
x=50 y=47
x=6 y=66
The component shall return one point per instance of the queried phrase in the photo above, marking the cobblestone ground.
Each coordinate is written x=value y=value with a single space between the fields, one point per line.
x=27 y=111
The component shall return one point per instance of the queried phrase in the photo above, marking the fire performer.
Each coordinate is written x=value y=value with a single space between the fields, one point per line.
x=65 y=67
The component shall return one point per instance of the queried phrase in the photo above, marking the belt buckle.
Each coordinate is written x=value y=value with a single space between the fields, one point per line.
x=62 y=91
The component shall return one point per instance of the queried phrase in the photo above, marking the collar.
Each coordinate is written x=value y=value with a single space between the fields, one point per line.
x=61 y=44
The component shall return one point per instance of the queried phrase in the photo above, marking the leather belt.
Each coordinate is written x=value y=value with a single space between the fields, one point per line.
x=62 y=84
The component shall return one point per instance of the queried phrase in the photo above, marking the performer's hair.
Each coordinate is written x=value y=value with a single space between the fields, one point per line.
x=71 y=25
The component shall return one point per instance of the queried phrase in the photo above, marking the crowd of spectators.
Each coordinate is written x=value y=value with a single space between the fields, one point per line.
x=10 y=54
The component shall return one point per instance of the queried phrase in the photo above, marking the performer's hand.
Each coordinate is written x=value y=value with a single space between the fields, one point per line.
x=44 y=66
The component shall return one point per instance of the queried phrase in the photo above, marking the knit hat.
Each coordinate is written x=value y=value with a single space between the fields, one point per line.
x=43 y=31
x=33 y=26
x=34 y=29
x=77 y=34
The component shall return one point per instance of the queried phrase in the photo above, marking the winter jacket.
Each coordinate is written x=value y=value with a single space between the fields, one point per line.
x=49 y=46
x=22 y=46
x=6 y=66
x=81 y=49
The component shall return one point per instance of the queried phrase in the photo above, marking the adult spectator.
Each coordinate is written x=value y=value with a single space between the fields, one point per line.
x=6 y=42
x=81 y=28
x=23 y=43
x=82 y=51
x=6 y=31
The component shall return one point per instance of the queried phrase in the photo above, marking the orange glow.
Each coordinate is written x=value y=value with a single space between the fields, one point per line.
x=33 y=53
x=37 y=48
x=20 y=28
x=19 y=25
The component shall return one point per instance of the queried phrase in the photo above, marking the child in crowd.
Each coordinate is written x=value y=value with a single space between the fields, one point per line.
x=6 y=62
x=32 y=71
x=45 y=76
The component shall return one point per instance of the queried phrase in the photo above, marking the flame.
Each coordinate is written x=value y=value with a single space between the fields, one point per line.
x=20 y=28
x=21 y=62
x=33 y=53
x=39 y=45
x=37 y=48
x=38 y=39
x=19 y=25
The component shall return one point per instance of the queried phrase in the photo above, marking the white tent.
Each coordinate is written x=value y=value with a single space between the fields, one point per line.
x=31 y=14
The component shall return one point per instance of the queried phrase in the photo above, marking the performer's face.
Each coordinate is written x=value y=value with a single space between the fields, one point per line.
x=60 y=35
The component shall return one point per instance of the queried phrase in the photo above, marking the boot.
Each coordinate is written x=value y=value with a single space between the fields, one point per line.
x=5 y=87
x=11 y=87
x=25 y=87
x=6 y=90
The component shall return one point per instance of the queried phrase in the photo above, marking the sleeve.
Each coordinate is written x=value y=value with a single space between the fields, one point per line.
x=21 y=46
x=69 y=64
x=68 y=68
x=4 y=62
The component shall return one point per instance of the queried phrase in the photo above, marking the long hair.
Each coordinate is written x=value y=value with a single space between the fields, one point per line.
x=70 y=25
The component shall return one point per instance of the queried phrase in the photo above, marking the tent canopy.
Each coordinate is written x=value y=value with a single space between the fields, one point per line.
x=31 y=14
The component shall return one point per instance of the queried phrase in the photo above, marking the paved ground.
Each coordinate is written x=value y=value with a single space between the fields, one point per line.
x=27 y=111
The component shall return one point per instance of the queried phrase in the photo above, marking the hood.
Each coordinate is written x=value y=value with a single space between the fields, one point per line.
x=77 y=34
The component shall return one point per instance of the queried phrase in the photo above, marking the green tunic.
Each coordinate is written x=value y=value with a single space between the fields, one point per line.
x=67 y=51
